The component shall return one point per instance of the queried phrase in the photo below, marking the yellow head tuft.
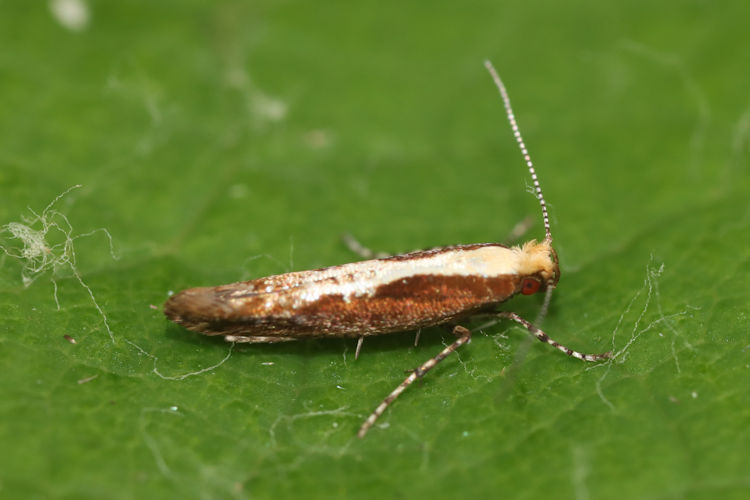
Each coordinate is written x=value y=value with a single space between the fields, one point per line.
x=540 y=259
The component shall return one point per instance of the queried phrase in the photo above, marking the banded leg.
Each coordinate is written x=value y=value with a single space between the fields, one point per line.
x=464 y=336
x=519 y=230
x=249 y=339
x=361 y=250
x=359 y=348
x=543 y=337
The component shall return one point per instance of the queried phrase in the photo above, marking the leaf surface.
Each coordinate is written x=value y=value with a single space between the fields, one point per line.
x=222 y=142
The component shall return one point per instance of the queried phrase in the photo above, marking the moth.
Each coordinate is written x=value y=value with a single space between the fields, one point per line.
x=383 y=295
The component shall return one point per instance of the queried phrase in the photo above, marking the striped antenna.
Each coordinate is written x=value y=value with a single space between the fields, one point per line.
x=519 y=140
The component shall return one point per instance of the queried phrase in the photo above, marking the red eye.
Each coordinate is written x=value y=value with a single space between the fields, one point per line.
x=530 y=286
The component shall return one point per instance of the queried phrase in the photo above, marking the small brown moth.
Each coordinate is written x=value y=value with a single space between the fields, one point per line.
x=384 y=295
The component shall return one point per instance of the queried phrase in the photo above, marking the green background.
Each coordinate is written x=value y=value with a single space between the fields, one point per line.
x=220 y=141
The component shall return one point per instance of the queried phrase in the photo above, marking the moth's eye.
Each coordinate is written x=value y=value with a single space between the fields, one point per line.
x=530 y=286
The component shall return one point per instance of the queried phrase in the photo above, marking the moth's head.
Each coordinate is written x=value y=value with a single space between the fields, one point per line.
x=537 y=266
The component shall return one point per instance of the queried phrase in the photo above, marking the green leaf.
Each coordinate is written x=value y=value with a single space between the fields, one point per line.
x=217 y=142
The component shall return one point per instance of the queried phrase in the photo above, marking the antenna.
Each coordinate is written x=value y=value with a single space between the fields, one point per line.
x=519 y=140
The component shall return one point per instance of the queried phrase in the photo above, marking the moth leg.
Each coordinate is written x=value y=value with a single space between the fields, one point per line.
x=519 y=230
x=543 y=337
x=359 y=348
x=247 y=339
x=464 y=336
x=416 y=337
x=361 y=250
